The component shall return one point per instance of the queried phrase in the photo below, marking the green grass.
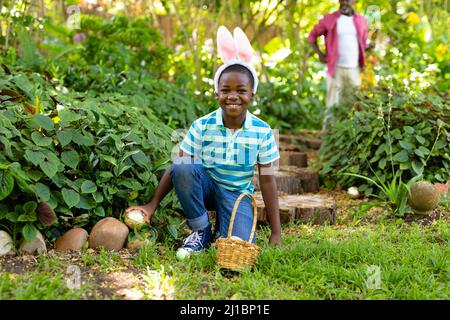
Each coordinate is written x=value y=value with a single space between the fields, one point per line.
x=49 y=281
x=326 y=263
x=323 y=262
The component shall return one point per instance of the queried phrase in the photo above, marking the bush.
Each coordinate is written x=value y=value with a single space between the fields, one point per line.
x=290 y=101
x=81 y=158
x=386 y=132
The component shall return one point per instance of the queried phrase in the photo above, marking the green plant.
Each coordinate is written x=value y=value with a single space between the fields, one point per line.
x=395 y=193
x=74 y=157
x=413 y=141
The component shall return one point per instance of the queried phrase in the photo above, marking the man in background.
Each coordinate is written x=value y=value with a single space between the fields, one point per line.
x=345 y=34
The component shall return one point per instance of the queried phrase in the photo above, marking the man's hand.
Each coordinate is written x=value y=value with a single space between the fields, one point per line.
x=274 y=240
x=323 y=58
x=148 y=210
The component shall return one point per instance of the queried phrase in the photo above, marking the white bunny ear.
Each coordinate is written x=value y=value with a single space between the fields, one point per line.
x=244 y=48
x=226 y=45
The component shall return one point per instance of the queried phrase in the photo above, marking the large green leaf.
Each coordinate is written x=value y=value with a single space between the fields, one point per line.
x=30 y=207
x=42 y=192
x=6 y=184
x=70 y=158
x=417 y=167
x=407 y=145
x=64 y=137
x=402 y=156
x=88 y=187
x=49 y=167
x=70 y=196
x=41 y=140
x=83 y=139
x=35 y=157
x=67 y=116
x=29 y=231
x=86 y=202
x=172 y=230
x=42 y=121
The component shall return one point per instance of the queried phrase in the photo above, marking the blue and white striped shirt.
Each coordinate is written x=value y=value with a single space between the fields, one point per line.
x=230 y=157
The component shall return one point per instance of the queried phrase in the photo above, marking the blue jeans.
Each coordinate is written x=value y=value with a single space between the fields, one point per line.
x=199 y=193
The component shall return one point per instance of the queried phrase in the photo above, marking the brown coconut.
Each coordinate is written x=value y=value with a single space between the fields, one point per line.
x=73 y=239
x=423 y=197
x=109 y=233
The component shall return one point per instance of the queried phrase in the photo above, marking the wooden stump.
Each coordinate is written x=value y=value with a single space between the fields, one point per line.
x=294 y=180
x=310 y=208
x=293 y=158
x=291 y=147
x=313 y=143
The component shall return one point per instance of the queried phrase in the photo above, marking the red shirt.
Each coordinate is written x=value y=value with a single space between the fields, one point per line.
x=327 y=26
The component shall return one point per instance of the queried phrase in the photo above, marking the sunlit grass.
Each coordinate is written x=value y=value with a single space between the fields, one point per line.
x=314 y=262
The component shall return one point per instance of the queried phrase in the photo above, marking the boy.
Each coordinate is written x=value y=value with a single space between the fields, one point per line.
x=216 y=165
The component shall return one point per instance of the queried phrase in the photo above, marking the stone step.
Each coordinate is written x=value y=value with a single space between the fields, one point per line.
x=293 y=158
x=312 y=143
x=307 y=208
x=293 y=180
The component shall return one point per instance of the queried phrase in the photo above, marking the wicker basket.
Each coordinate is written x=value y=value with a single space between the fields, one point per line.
x=235 y=254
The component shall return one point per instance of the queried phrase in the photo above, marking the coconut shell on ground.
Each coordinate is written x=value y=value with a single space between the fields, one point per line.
x=109 y=233
x=311 y=208
x=423 y=197
x=73 y=239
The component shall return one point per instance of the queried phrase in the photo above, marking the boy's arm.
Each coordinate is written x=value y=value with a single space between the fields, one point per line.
x=269 y=192
x=163 y=188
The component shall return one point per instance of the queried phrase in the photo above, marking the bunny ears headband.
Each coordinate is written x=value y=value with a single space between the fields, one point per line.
x=234 y=50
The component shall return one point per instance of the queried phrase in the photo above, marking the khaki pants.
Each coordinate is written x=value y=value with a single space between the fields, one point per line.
x=341 y=82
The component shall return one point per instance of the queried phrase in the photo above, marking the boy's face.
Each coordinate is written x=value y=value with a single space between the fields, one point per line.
x=235 y=94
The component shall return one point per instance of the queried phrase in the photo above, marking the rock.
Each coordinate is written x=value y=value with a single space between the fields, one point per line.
x=37 y=245
x=109 y=233
x=73 y=239
x=311 y=208
x=6 y=244
x=423 y=197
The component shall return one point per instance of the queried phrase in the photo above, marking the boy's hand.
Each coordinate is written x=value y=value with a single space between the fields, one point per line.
x=274 y=240
x=147 y=209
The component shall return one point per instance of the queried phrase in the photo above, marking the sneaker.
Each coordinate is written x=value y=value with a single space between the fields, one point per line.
x=195 y=243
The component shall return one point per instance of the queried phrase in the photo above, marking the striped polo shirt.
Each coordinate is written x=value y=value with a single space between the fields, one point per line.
x=230 y=157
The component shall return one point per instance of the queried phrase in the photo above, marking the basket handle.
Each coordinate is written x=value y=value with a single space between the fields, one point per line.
x=233 y=215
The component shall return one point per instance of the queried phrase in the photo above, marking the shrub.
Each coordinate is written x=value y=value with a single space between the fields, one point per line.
x=386 y=132
x=82 y=158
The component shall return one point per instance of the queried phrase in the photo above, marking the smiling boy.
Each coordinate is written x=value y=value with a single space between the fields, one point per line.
x=216 y=165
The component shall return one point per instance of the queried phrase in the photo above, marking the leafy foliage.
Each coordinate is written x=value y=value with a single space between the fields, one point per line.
x=385 y=133
x=85 y=157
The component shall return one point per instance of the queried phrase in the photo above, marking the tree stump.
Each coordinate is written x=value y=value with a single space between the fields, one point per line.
x=293 y=158
x=313 y=143
x=293 y=180
x=312 y=208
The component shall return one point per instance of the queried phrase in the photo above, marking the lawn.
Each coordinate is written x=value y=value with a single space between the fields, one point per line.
x=362 y=257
